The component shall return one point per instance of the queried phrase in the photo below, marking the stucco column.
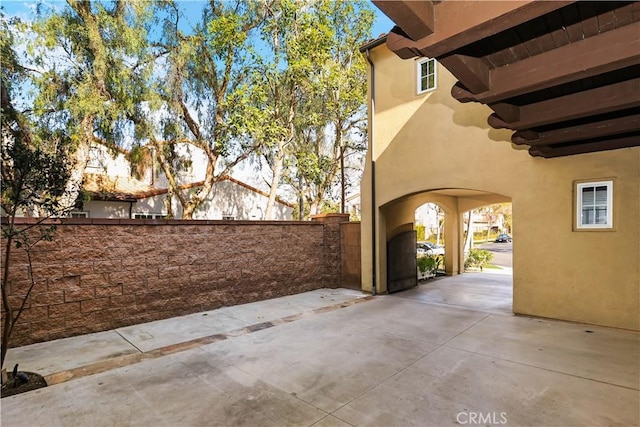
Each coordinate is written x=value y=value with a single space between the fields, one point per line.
x=452 y=235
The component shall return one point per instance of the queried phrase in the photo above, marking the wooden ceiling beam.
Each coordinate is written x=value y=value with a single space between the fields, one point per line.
x=610 y=51
x=474 y=72
x=459 y=23
x=598 y=129
x=601 y=100
x=589 y=147
x=416 y=16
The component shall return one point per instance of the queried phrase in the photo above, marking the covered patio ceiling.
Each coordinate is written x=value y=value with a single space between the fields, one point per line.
x=564 y=75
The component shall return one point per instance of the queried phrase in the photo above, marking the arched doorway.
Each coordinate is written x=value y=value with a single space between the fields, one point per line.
x=487 y=282
x=398 y=217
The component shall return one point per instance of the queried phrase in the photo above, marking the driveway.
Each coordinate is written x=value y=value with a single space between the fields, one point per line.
x=344 y=360
x=502 y=253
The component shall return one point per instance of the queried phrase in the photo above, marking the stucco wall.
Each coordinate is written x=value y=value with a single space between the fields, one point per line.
x=104 y=274
x=226 y=198
x=432 y=142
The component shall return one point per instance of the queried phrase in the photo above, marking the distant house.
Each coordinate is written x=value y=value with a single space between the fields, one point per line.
x=353 y=206
x=113 y=193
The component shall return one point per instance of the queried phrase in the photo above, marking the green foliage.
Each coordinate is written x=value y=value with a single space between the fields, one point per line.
x=420 y=232
x=427 y=264
x=329 y=126
x=35 y=172
x=96 y=61
x=430 y=264
x=283 y=79
x=478 y=258
x=35 y=159
x=34 y=176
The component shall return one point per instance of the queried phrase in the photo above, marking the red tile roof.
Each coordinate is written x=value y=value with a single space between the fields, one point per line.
x=129 y=189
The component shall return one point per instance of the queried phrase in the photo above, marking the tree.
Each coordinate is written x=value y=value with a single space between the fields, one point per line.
x=205 y=95
x=342 y=86
x=468 y=231
x=283 y=73
x=90 y=65
x=317 y=88
x=492 y=212
x=35 y=172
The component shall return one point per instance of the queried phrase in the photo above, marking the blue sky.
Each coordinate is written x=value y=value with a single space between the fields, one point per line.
x=24 y=8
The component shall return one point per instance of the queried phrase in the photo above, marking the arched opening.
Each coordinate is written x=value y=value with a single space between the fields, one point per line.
x=489 y=229
x=486 y=279
x=438 y=217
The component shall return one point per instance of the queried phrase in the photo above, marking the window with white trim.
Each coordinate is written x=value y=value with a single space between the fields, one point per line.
x=426 y=75
x=149 y=216
x=79 y=214
x=594 y=207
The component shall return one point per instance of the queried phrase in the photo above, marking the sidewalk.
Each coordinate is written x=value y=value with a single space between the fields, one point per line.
x=61 y=360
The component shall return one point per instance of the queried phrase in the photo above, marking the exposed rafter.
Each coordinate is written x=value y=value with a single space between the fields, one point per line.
x=460 y=23
x=417 y=14
x=595 y=129
x=605 y=99
x=564 y=75
x=590 y=57
x=548 y=152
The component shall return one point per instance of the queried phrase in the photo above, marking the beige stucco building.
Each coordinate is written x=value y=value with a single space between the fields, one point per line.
x=428 y=147
x=114 y=193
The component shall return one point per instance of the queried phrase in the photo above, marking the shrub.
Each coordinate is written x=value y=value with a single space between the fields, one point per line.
x=477 y=258
x=427 y=264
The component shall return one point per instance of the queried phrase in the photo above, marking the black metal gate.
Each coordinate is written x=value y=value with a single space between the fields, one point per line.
x=402 y=269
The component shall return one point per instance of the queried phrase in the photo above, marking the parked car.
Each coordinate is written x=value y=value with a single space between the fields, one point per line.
x=502 y=238
x=428 y=248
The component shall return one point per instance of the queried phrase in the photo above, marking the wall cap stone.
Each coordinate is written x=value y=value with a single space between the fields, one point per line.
x=160 y=222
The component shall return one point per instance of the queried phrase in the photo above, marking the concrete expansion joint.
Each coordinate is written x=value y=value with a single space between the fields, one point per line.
x=555 y=371
x=120 y=361
x=128 y=341
x=466 y=329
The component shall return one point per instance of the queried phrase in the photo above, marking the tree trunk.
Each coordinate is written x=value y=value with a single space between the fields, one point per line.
x=275 y=180
x=342 y=183
x=74 y=185
x=489 y=224
x=188 y=210
x=168 y=204
x=468 y=241
x=8 y=312
x=313 y=207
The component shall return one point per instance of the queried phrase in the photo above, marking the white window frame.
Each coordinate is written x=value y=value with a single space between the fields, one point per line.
x=580 y=186
x=419 y=75
x=146 y=215
x=78 y=214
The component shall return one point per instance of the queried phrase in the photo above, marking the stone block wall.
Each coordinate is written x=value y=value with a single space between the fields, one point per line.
x=101 y=274
x=331 y=242
x=350 y=255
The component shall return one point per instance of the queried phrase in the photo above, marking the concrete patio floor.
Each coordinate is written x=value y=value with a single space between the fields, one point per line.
x=338 y=358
